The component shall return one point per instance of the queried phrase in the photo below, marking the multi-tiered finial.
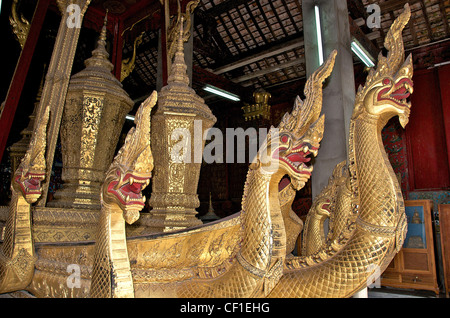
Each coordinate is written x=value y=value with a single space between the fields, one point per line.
x=96 y=106
x=179 y=107
x=178 y=69
x=105 y=23
x=100 y=56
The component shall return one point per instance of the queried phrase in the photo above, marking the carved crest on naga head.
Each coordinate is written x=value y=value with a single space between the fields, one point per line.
x=289 y=148
x=390 y=84
x=32 y=169
x=131 y=169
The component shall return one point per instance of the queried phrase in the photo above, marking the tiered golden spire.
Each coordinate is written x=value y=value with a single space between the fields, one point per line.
x=178 y=69
x=174 y=195
x=95 y=110
x=100 y=57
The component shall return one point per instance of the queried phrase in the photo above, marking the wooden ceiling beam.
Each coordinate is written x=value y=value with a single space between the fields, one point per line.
x=393 y=5
x=258 y=54
x=427 y=21
x=444 y=17
x=362 y=38
x=255 y=22
x=210 y=33
x=268 y=70
x=143 y=10
x=202 y=77
x=225 y=6
x=356 y=9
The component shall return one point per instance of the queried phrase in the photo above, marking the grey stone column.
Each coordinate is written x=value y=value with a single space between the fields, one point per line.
x=339 y=89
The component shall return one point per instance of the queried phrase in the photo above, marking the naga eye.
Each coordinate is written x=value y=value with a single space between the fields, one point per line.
x=386 y=81
x=284 y=139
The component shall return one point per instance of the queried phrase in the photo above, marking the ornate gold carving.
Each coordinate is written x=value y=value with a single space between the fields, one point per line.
x=129 y=63
x=313 y=234
x=18 y=149
x=182 y=21
x=64 y=225
x=174 y=194
x=388 y=67
x=51 y=273
x=17 y=255
x=92 y=112
x=196 y=262
x=95 y=110
x=20 y=25
x=57 y=80
x=22 y=263
x=292 y=223
x=261 y=108
x=122 y=200
x=63 y=4
x=243 y=255
x=363 y=197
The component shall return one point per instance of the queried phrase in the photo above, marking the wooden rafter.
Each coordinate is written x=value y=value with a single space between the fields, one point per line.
x=259 y=54
x=225 y=6
x=444 y=17
x=268 y=70
x=359 y=35
x=255 y=23
x=210 y=33
x=427 y=21
x=241 y=39
x=393 y=5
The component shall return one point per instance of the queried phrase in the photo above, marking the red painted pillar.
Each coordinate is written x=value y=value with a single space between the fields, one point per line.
x=20 y=74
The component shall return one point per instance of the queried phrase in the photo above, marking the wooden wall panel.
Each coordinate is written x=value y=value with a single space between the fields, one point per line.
x=428 y=163
x=444 y=82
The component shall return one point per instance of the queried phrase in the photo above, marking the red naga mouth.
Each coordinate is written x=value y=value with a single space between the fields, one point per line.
x=326 y=206
x=130 y=192
x=402 y=90
x=30 y=183
x=299 y=158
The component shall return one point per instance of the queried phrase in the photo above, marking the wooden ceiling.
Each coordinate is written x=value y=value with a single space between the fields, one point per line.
x=243 y=45
x=250 y=44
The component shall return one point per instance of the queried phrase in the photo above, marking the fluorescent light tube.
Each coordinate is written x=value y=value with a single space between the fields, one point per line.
x=319 y=34
x=363 y=56
x=129 y=117
x=221 y=92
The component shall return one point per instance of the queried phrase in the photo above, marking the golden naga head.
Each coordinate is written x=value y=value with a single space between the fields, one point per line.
x=32 y=169
x=388 y=87
x=131 y=169
x=289 y=148
x=322 y=208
